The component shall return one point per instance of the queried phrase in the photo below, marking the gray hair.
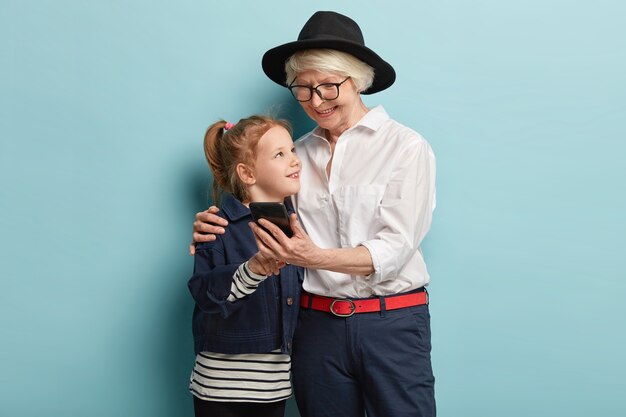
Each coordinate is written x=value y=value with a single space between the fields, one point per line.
x=330 y=60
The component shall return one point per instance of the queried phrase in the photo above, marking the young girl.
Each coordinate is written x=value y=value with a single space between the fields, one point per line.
x=245 y=314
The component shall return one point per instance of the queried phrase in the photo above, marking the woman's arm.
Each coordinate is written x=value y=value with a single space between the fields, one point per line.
x=300 y=250
x=405 y=211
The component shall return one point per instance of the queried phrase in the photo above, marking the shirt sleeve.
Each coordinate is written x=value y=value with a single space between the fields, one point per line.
x=245 y=282
x=405 y=212
x=212 y=280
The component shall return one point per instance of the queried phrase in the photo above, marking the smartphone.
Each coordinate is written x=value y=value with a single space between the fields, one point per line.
x=274 y=212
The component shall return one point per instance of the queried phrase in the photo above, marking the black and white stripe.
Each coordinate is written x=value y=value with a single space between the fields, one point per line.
x=250 y=377
x=245 y=282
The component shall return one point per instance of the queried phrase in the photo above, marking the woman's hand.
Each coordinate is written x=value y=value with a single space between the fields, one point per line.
x=206 y=226
x=297 y=250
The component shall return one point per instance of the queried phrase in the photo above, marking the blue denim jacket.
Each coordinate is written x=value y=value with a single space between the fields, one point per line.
x=259 y=323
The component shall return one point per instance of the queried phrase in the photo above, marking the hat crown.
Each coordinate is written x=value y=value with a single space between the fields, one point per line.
x=331 y=25
x=334 y=31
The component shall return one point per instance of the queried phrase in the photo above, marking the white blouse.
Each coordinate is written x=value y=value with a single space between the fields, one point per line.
x=380 y=194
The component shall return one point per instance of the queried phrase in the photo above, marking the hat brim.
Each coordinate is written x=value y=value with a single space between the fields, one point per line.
x=273 y=61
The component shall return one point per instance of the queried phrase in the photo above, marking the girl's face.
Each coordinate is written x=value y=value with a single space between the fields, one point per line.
x=276 y=171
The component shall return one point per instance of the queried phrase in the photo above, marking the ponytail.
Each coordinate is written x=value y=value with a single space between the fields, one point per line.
x=212 y=138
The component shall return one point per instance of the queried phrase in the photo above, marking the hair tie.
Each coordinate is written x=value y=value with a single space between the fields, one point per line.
x=228 y=126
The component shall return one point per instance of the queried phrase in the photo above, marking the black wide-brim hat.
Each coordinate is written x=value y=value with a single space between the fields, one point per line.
x=329 y=30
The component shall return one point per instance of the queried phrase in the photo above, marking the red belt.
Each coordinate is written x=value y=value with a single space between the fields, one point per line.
x=343 y=307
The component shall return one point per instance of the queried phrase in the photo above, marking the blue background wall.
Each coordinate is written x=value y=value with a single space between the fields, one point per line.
x=103 y=106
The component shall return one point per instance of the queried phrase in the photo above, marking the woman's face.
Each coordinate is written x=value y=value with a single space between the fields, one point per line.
x=335 y=115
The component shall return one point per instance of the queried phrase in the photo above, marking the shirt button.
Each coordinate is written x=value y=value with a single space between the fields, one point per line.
x=289 y=301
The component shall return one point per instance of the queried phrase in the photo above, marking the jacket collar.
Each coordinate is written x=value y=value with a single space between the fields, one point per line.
x=233 y=209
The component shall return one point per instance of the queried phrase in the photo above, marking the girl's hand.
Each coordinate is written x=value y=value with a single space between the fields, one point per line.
x=297 y=250
x=260 y=264
x=206 y=226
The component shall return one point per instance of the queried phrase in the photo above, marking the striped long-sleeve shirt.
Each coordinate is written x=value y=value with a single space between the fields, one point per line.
x=250 y=377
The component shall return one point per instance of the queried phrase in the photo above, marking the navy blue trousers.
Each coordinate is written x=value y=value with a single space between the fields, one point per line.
x=377 y=363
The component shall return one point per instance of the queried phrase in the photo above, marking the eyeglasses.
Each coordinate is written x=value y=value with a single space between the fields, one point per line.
x=325 y=91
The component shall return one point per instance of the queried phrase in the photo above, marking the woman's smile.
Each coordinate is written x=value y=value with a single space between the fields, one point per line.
x=326 y=112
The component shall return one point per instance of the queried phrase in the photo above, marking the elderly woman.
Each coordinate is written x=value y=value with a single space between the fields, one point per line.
x=362 y=344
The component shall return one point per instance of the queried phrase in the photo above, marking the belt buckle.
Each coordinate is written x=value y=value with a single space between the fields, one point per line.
x=352 y=308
